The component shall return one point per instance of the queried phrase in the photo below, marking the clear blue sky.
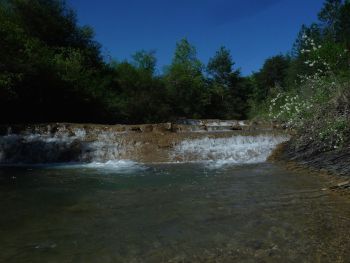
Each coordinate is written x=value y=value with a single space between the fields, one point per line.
x=252 y=29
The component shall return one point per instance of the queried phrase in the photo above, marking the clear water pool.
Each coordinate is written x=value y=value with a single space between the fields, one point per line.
x=170 y=213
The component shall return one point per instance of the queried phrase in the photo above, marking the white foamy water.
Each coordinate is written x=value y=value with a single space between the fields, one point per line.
x=109 y=150
x=116 y=164
x=60 y=147
x=119 y=166
x=233 y=150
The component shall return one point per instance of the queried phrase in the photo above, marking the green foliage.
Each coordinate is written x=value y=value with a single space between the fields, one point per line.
x=220 y=67
x=51 y=69
x=313 y=31
x=315 y=100
x=343 y=33
x=186 y=57
x=271 y=77
x=138 y=94
x=144 y=60
x=329 y=17
x=228 y=91
x=185 y=82
x=47 y=63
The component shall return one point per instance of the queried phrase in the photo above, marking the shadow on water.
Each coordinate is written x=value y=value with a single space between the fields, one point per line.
x=170 y=213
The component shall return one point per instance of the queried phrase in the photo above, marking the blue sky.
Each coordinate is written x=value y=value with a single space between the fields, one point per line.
x=252 y=29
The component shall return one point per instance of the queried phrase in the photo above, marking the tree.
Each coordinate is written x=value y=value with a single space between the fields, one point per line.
x=272 y=76
x=329 y=16
x=145 y=60
x=228 y=97
x=55 y=24
x=220 y=66
x=313 y=32
x=50 y=66
x=344 y=24
x=185 y=82
x=186 y=56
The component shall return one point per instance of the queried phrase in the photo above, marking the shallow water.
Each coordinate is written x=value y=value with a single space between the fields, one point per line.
x=170 y=213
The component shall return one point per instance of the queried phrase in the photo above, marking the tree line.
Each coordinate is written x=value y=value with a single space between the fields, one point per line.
x=52 y=69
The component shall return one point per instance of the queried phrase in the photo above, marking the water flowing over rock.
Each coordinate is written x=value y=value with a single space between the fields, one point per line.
x=185 y=141
x=236 y=149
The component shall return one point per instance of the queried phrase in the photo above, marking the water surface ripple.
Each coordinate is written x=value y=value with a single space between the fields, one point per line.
x=170 y=213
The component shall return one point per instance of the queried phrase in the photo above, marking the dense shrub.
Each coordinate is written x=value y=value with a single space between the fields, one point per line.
x=314 y=99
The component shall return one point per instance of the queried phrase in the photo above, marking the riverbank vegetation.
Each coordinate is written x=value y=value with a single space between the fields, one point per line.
x=309 y=90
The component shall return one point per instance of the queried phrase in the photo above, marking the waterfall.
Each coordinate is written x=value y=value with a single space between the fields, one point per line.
x=236 y=149
x=109 y=145
x=58 y=147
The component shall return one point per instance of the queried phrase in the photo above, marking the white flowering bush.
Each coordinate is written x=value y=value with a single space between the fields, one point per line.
x=312 y=108
x=323 y=60
x=289 y=108
x=333 y=135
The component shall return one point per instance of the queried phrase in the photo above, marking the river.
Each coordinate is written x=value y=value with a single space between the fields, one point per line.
x=209 y=207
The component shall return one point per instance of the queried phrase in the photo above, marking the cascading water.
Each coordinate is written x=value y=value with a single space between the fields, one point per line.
x=75 y=146
x=107 y=146
x=236 y=149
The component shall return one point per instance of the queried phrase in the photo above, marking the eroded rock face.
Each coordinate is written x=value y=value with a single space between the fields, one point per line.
x=62 y=142
x=336 y=161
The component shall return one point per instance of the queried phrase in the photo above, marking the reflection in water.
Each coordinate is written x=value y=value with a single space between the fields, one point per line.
x=170 y=213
